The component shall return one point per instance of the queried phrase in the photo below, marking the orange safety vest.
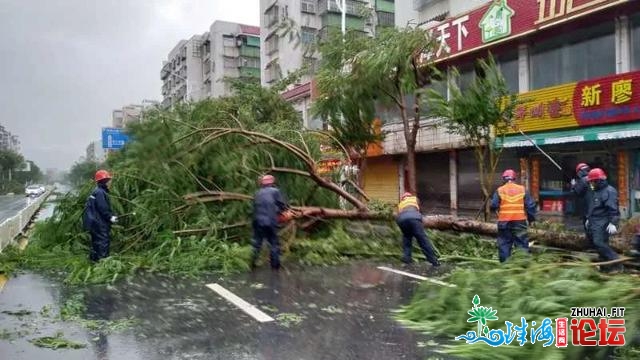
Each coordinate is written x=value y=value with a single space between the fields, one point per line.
x=407 y=202
x=511 y=202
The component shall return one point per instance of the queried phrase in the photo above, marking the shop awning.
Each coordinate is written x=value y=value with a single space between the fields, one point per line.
x=597 y=133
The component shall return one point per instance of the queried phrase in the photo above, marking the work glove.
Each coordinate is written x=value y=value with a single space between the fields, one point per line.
x=114 y=219
x=611 y=229
x=573 y=182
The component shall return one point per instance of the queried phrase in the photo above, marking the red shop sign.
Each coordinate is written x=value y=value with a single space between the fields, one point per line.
x=506 y=19
x=610 y=99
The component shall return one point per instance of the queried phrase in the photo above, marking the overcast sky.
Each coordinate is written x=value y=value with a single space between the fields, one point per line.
x=66 y=64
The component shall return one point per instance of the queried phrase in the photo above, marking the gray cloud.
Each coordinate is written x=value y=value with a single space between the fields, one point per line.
x=67 y=63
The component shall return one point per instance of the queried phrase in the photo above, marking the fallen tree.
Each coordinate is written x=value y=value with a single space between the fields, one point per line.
x=189 y=177
x=564 y=240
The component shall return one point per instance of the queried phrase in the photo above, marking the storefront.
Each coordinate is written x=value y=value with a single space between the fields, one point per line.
x=470 y=198
x=596 y=122
x=381 y=179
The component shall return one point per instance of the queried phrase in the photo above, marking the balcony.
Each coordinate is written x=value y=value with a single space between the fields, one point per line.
x=166 y=89
x=166 y=70
x=354 y=7
x=335 y=20
x=249 y=72
x=231 y=52
x=250 y=51
x=385 y=5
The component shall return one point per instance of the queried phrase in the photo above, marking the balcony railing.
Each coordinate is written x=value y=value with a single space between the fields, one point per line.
x=354 y=8
x=249 y=72
x=250 y=51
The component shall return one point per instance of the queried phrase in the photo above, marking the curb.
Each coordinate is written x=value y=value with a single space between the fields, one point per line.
x=3 y=281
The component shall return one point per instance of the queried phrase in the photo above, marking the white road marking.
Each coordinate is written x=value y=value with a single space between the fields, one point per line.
x=419 y=277
x=243 y=305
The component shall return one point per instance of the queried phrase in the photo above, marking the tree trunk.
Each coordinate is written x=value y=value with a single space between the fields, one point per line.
x=411 y=168
x=361 y=169
x=564 y=240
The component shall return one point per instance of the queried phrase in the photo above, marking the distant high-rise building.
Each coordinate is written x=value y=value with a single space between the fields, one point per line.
x=196 y=68
x=117 y=118
x=8 y=141
x=95 y=152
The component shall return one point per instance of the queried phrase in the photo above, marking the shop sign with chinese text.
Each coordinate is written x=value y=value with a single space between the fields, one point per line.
x=506 y=19
x=607 y=100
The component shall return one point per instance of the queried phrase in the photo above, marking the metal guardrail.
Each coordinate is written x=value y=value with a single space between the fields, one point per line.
x=13 y=226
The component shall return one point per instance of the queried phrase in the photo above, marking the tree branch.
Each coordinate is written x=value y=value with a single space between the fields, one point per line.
x=301 y=155
x=290 y=171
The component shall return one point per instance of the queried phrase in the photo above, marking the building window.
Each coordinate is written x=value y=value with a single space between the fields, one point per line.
x=308 y=6
x=635 y=42
x=386 y=18
x=272 y=72
x=250 y=62
x=311 y=64
x=271 y=16
x=229 y=62
x=308 y=35
x=508 y=64
x=271 y=44
x=466 y=76
x=579 y=55
x=228 y=41
x=354 y=7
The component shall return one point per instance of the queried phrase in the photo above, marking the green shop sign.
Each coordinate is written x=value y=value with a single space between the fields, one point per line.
x=600 y=133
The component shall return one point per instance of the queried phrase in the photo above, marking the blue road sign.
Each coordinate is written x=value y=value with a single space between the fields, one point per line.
x=114 y=138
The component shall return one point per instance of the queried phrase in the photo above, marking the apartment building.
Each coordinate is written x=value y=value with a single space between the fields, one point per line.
x=129 y=114
x=8 y=141
x=284 y=53
x=195 y=69
x=576 y=67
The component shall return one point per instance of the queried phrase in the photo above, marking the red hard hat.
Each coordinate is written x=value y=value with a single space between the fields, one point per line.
x=102 y=174
x=267 y=180
x=596 y=174
x=580 y=166
x=509 y=174
x=405 y=195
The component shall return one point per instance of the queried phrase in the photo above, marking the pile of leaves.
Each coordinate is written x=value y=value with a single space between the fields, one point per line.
x=534 y=288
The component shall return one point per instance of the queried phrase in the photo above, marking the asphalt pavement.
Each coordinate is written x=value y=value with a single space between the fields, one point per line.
x=342 y=312
x=10 y=205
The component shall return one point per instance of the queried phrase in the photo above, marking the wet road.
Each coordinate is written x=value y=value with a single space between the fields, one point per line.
x=320 y=313
x=11 y=205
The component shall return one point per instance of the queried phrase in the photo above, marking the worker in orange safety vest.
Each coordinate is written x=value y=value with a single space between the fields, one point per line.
x=515 y=210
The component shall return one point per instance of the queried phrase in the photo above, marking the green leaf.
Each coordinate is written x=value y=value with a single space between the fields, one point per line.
x=476 y=300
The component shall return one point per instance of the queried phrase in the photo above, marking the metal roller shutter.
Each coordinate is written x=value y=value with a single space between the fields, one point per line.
x=381 y=180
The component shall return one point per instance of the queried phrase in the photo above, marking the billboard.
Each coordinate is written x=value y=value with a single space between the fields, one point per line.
x=504 y=20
